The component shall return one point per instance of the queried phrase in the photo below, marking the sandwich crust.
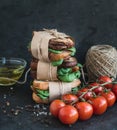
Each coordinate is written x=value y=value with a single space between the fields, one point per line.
x=56 y=57
x=37 y=99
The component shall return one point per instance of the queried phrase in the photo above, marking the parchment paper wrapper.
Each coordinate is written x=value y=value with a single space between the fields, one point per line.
x=57 y=89
x=39 y=49
x=40 y=41
x=45 y=71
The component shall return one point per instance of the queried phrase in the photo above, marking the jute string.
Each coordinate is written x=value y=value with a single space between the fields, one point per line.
x=55 y=33
x=101 y=60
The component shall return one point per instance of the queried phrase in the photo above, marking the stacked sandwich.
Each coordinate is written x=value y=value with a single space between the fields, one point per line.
x=54 y=68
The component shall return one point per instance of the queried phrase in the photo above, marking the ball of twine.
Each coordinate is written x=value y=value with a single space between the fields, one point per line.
x=101 y=60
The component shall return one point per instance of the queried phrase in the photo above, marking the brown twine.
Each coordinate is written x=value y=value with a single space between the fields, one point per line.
x=55 y=33
x=101 y=60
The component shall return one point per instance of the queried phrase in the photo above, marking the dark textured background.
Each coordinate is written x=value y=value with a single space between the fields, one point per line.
x=89 y=22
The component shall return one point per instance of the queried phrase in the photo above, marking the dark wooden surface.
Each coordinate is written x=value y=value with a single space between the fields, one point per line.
x=89 y=22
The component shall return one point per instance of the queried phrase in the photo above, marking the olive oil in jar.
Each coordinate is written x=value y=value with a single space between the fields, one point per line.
x=10 y=74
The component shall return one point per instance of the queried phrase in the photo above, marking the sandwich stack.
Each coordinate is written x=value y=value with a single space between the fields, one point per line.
x=54 y=69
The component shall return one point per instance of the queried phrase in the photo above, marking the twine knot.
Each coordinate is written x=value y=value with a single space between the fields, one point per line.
x=55 y=33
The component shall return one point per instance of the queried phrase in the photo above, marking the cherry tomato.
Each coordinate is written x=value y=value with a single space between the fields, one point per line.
x=68 y=114
x=85 y=110
x=99 y=104
x=104 y=79
x=97 y=90
x=55 y=106
x=110 y=97
x=114 y=90
x=69 y=98
x=87 y=96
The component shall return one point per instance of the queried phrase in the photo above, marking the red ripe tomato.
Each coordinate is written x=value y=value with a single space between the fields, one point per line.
x=69 y=98
x=86 y=96
x=68 y=114
x=98 y=89
x=85 y=110
x=104 y=79
x=99 y=104
x=114 y=90
x=110 y=97
x=55 y=107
